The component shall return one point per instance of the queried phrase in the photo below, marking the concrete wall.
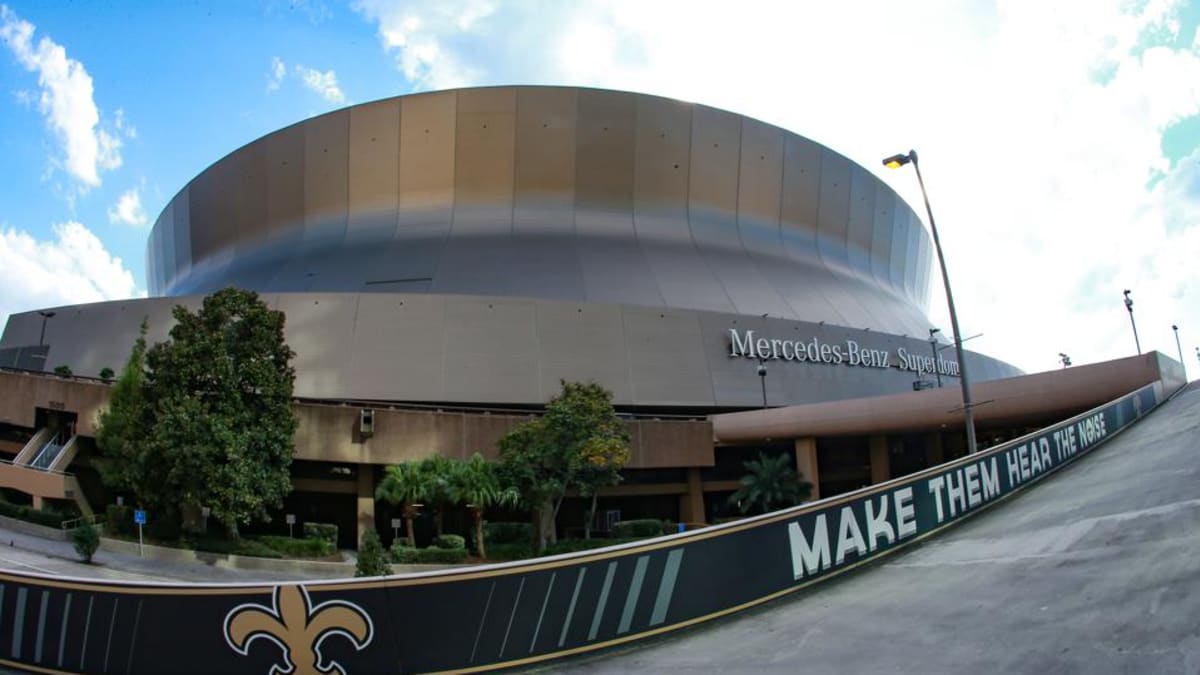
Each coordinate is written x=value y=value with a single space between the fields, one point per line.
x=330 y=433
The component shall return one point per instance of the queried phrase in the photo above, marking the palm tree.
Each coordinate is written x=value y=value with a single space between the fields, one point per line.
x=404 y=484
x=437 y=474
x=476 y=484
x=770 y=483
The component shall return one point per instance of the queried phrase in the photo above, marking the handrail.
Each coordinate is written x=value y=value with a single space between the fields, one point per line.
x=12 y=463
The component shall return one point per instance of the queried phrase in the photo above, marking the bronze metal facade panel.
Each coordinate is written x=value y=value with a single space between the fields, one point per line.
x=491 y=347
x=326 y=176
x=374 y=174
x=484 y=148
x=285 y=187
x=544 y=201
x=760 y=187
x=320 y=326
x=881 y=237
x=398 y=349
x=668 y=365
x=861 y=221
x=428 y=123
x=833 y=211
x=566 y=331
x=604 y=169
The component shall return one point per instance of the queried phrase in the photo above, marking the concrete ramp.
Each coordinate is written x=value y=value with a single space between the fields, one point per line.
x=1096 y=570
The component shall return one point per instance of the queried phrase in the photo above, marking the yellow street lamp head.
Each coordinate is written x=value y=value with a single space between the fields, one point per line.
x=897 y=161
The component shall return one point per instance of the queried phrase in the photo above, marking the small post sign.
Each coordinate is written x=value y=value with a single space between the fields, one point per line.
x=291 y=523
x=139 y=517
x=395 y=528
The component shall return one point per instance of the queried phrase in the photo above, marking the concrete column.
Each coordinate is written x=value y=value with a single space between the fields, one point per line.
x=935 y=452
x=881 y=465
x=806 y=464
x=366 y=499
x=691 y=503
x=37 y=502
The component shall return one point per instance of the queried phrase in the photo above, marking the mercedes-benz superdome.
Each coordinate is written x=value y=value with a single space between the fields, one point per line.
x=477 y=246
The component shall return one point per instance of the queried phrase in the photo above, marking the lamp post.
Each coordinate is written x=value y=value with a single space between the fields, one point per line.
x=1129 y=306
x=895 y=162
x=1064 y=359
x=762 y=377
x=933 y=347
x=1180 y=348
x=42 y=337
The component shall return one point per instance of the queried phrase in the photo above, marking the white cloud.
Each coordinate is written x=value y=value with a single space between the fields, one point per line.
x=128 y=209
x=65 y=100
x=73 y=268
x=1038 y=124
x=325 y=84
x=278 y=70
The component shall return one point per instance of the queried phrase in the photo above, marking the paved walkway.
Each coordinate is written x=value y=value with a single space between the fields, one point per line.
x=1094 y=570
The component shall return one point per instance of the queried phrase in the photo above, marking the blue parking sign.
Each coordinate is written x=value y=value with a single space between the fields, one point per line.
x=139 y=516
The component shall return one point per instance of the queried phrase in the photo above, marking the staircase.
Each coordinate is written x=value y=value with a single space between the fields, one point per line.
x=38 y=469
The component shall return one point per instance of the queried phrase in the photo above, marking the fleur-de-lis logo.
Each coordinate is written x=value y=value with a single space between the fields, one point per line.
x=299 y=629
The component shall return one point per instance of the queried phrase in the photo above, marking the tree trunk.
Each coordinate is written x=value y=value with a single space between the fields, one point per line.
x=409 y=513
x=478 y=513
x=545 y=525
x=590 y=518
x=437 y=521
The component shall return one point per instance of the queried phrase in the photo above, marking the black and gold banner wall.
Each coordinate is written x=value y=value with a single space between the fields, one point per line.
x=488 y=617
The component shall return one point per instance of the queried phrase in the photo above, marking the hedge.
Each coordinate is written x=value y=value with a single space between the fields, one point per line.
x=449 y=541
x=326 y=531
x=646 y=527
x=508 y=533
x=249 y=547
x=308 y=547
x=407 y=555
x=20 y=512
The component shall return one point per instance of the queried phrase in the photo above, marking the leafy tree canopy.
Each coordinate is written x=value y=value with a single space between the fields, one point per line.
x=579 y=443
x=208 y=422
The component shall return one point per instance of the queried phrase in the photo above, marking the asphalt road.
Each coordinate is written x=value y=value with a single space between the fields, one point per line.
x=1093 y=570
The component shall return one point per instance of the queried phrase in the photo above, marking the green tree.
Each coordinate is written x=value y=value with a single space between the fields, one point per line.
x=121 y=429
x=86 y=540
x=575 y=444
x=106 y=374
x=372 y=561
x=602 y=458
x=769 y=484
x=437 y=478
x=476 y=485
x=63 y=371
x=403 y=484
x=217 y=424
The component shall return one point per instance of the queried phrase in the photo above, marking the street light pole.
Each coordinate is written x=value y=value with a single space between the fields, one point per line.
x=897 y=161
x=1180 y=348
x=933 y=346
x=42 y=337
x=1129 y=306
x=762 y=376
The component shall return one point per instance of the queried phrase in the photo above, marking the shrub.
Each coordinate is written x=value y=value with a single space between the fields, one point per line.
x=407 y=555
x=326 y=531
x=402 y=553
x=371 y=560
x=106 y=374
x=13 y=510
x=646 y=527
x=86 y=540
x=118 y=519
x=63 y=371
x=449 y=541
x=511 y=551
x=248 y=547
x=308 y=547
x=47 y=518
x=161 y=526
x=508 y=533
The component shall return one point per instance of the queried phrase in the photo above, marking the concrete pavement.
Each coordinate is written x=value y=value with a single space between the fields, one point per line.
x=1093 y=570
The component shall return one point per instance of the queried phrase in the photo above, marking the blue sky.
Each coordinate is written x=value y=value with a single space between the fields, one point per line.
x=1061 y=144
